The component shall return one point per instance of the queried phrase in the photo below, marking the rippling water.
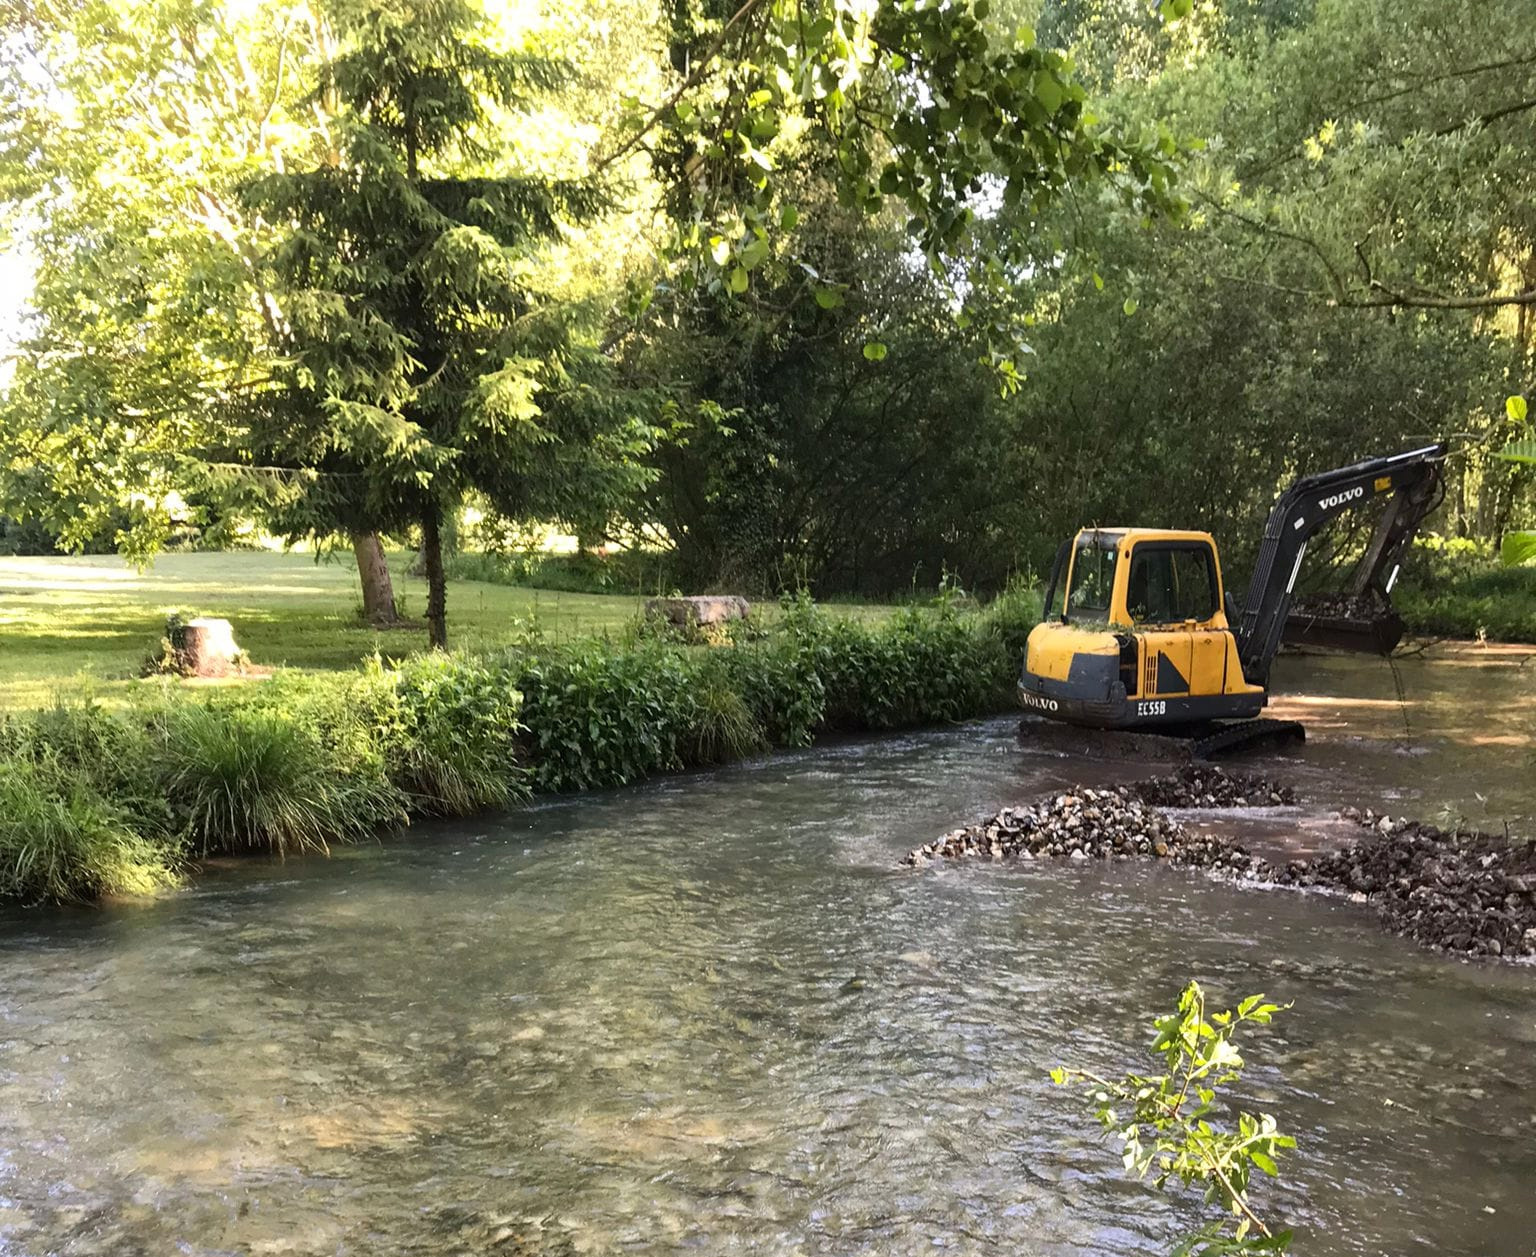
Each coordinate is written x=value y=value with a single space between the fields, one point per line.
x=711 y=1015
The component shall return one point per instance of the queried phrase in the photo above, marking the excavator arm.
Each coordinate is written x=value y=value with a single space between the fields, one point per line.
x=1310 y=504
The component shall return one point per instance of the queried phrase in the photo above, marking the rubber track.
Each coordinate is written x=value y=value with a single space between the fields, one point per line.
x=1242 y=735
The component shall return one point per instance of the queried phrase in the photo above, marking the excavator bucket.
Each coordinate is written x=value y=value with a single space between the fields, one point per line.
x=1343 y=623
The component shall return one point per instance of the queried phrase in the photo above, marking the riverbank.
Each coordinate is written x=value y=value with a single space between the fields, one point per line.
x=1464 y=892
x=98 y=801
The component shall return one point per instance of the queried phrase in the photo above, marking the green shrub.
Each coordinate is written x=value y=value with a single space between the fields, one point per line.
x=452 y=731
x=1008 y=619
x=246 y=779
x=1469 y=596
x=598 y=716
x=924 y=665
x=778 y=682
x=62 y=841
x=112 y=752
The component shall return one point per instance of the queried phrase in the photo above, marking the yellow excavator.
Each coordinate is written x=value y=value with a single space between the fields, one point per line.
x=1145 y=636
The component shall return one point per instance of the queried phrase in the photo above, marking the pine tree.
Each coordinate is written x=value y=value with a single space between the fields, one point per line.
x=418 y=366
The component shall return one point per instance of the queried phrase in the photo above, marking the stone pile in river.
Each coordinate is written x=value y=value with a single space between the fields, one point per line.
x=1469 y=893
x=1205 y=785
x=1117 y=823
x=1473 y=893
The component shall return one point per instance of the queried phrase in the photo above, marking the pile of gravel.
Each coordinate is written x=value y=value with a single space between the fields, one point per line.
x=1205 y=785
x=1462 y=892
x=1088 y=824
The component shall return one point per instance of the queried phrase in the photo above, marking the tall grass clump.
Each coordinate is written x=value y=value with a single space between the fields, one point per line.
x=723 y=726
x=62 y=841
x=248 y=779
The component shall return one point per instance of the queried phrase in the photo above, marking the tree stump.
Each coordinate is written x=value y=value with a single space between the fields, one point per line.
x=700 y=611
x=207 y=648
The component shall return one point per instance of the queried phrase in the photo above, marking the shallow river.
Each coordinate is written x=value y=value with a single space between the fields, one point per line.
x=712 y=1015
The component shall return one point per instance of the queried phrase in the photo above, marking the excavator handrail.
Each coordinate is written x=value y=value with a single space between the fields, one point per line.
x=1304 y=508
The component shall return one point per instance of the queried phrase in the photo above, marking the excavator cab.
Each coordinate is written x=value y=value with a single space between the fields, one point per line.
x=1144 y=633
x=1142 y=636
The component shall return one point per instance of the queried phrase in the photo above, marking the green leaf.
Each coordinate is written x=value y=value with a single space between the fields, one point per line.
x=754 y=253
x=1519 y=548
x=1129 y=307
x=1266 y=1164
x=1098 y=281
x=788 y=217
x=719 y=250
x=828 y=298
x=1520 y=451
x=1515 y=408
x=874 y=351
x=738 y=280
x=1049 y=92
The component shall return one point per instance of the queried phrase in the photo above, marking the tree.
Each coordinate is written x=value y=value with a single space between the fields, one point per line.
x=124 y=130
x=418 y=364
x=904 y=105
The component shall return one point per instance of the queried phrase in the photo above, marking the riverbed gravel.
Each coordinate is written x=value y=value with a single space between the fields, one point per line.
x=1469 y=893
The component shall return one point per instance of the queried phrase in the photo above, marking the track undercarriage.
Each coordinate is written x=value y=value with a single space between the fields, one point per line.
x=1205 y=741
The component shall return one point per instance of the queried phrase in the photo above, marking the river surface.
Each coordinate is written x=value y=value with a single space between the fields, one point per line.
x=711 y=1015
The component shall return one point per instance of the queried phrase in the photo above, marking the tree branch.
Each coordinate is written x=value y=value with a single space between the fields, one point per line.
x=1484 y=119
x=695 y=77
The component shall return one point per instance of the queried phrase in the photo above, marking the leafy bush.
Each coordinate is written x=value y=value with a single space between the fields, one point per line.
x=598 y=716
x=922 y=666
x=779 y=684
x=1470 y=596
x=61 y=840
x=452 y=733
x=1008 y=620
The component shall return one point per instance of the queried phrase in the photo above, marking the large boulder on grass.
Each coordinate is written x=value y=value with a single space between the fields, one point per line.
x=699 y=611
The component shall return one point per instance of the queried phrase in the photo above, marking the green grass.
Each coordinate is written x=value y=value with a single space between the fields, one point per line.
x=97 y=618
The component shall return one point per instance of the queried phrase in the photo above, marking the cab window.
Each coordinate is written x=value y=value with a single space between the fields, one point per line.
x=1093 y=578
x=1170 y=582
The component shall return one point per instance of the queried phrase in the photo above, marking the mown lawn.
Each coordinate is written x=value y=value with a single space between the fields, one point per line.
x=62 y=619
x=95 y=618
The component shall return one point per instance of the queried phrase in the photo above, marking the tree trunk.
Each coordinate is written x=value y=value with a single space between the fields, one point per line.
x=437 y=583
x=373 y=571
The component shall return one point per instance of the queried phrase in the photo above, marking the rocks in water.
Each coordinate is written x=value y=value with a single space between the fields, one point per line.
x=1205 y=785
x=1470 y=893
x=1086 y=824
x=1464 y=892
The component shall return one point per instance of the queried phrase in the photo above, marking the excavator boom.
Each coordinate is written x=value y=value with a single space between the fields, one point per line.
x=1308 y=505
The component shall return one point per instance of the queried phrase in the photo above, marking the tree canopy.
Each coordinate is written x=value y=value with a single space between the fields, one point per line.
x=843 y=290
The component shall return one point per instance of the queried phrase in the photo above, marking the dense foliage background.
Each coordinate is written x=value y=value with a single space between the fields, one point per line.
x=805 y=292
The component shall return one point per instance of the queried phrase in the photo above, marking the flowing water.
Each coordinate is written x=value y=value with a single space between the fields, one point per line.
x=712 y=1015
